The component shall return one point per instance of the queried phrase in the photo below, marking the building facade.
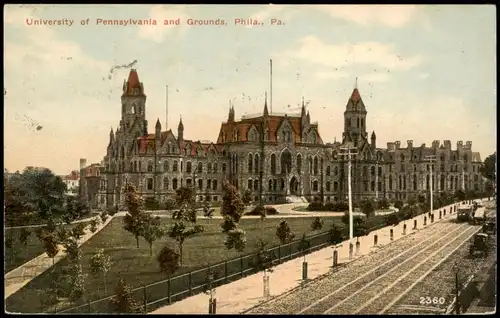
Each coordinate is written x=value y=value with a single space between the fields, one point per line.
x=276 y=156
x=72 y=182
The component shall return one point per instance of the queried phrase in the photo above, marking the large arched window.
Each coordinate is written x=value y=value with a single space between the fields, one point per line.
x=273 y=163
x=299 y=163
x=256 y=165
x=189 y=167
x=250 y=164
x=328 y=170
x=315 y=168
x=286 y=161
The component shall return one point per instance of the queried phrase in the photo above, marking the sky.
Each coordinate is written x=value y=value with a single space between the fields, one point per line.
x=424 y=72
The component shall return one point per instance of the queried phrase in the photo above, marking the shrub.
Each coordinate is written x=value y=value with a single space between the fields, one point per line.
x=315 y=206
x=398 y=204
x=258 y=210
x=112 y=210
x=151 y=203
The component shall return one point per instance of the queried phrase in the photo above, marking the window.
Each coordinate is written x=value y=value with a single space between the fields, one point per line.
x=372 y=170
x=250 y=163
x=200 y=167
x=299 y=163
x=270 y=185
x=150 y=184
x=175 y=167
x=379 y=171
x=315 y=185
x=335 y=171
x=328 y=171
x=315 y=166
x=390 y=183
x=200 y=184
x=224 y=168
x=335 y=186
x=256 y=160
x=273 y=163
x=209 y=184
x=150 y=166
x=215 y=168
x=165 y=183
x=372 y=186
x=189 y=167
x=209 y=167
x=214 y=186
x=165 y=166
x=250 y=184
x=328 y=186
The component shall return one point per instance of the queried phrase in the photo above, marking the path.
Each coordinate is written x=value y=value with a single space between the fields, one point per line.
x=17 y=278
x=241 y=295
x=40 y=225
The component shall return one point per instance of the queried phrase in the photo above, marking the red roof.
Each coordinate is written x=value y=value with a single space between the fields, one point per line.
x=355 y=95
x=132 y=82
x=149 y=141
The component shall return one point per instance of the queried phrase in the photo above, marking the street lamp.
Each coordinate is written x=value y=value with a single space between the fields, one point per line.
x=349 y=154
x=431 y=160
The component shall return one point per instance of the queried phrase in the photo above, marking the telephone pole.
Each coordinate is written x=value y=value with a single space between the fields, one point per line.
x=431 y=160
x=347 y=152
x=462 y=174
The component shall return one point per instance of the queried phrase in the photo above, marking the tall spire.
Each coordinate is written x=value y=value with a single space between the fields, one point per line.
x=266 y=112
x=356 y=83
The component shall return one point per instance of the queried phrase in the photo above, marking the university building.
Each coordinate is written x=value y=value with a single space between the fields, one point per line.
x=280 y=157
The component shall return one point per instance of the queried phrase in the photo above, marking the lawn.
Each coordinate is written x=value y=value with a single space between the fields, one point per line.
x=20 y=254
x=137 y=267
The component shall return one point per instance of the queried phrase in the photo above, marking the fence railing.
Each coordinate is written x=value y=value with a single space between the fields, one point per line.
x=176 y=288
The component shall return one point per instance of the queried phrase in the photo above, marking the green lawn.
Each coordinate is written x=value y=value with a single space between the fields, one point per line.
x=138 y=268
x=20 y=254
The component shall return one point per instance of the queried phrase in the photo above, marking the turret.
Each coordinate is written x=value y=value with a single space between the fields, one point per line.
x=308 y=117
x=460 y=144
x=158 y=128
x=409 y=144
x=230 y=116
x=180 y=130
x=373 y=140
x=266 y=111
x=435 y=144
x=111 y=136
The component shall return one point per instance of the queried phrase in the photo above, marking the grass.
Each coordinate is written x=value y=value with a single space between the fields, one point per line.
x=20 y=254
x=137 y=267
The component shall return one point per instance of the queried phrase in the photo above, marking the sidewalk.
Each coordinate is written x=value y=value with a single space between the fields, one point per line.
x=17 y=278
x=235 y=297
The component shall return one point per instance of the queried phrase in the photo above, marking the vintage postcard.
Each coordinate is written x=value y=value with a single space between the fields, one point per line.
x=250 y=159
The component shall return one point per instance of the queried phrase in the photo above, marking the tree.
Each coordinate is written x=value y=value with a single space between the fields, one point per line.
x=169 y=260
x=489 y=188
x=488 y=169
x=104 y=216
x=345 y=218
x=460 y=195
x=383 y=204
x=368 y=208
x=263 y=259
x=232 y=210
x=421 y=199
x=152 y=231
x=72 y=281
x=180 y=232
x=62 y=235
x=317 y=224
x=72 y=249
x=184 y=196
x=50 y=246
x=93 y=224
x=9 y=245
x=336 y=235
x=284 y=232
x=135 y=218
x=304 y=245
x=392 y=219
x=24 y=236
x=100 y=264
x=208 y=212
x=360 y=229
x=78 y=231
x=247 y=197
x=123 y=302
x=398 y=204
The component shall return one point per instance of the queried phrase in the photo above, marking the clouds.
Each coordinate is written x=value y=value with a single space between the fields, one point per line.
x=313 y=50
x=160 y=13
x=368 y=15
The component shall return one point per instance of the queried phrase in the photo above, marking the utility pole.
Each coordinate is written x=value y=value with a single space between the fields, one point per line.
x=431 y=160
x=376 y=181
x=462 y=173
x=349 y=154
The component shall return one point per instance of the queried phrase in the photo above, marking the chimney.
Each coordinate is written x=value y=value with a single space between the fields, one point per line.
x=83 y=163
x=447 y=144
x=460 y=144
x=390 y=146
x=468 y=145
x=435 y=144
x=410 y=144
x=398 y=144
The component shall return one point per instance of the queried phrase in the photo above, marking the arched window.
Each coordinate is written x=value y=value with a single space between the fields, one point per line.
x=150 y=166
x=175 y=166
x=286 y=161
x=327 y=170
x=328 y=186
x=256 y=163
x=390 y=183
x=335 y=186
x=250 y=164
x=209 y=167
x=165 y=183
x=189 y=167
x=200 y=184
x=200 y=167
x=270 y=185
x=165 y=166
x=372 y=170
x=315 y=185
x=315 y=169
x=299 y=163
x=250 y=184
x=214 y=167
x=273 y=163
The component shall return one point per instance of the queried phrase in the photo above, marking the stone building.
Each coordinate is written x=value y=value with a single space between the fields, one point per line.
x=277 y=156
x=90 y=184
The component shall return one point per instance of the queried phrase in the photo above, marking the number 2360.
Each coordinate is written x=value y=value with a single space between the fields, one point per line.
x=433 y=300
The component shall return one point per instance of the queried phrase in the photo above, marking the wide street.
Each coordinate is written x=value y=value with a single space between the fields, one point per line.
x=376 y=283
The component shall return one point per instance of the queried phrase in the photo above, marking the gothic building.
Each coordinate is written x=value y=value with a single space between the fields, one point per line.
x=277 y=156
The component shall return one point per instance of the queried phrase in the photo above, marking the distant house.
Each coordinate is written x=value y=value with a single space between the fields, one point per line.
x=72 y=182
x=90 y=184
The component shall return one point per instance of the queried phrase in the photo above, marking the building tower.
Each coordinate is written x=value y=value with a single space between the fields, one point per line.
x=355 y=119
x=133 y=106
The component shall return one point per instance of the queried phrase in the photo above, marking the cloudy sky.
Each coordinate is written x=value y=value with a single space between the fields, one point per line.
x=424 y=72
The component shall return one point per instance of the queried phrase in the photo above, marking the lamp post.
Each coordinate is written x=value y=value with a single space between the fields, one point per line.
x=431 y=160
x=349 y=154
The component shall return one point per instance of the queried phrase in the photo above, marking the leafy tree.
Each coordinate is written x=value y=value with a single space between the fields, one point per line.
x=247 y=197
x=336 y=235
x=263 y=259
x=50 y=246
x=489 y=167
x=421 y=198
x=412 y=200
x=460 y=194
x=489 y=188
x=208 y=212
x=169 y=260
x=398 y=204
x=345 y=218
x=360 y=229
x=304 y=245
x=73 y=281
x=210 y=282
x=62 y=235
x=72 y=249
x=184 y=196
x=100 y=264
x=383 y=204
x=368 y=207
x=392 y=219
x=135 y=218
x=317 y=224
x=232 y=210
x=24 y=236
x=180 y=232
x=170 y=204
x=93 y=224
x=152 y=231
x=123 y=302
x=284 y=232
x=104 y=216
x=78 y=231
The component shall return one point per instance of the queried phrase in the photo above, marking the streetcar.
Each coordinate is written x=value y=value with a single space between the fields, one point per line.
x=465 y=213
